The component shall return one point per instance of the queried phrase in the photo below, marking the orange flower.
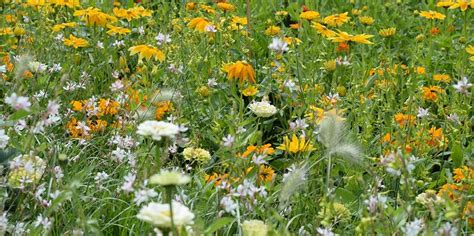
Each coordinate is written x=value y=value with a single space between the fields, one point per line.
x=437 y=137
x=240 y=70
x=225 y=6
x=199 y=23
x=147 y=52
x=403 y=119
x=162 y=108
x=431 y=93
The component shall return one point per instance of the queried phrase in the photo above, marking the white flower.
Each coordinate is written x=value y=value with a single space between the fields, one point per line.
x=157 y=129
x=159 y=215
x=263 y=109
x=3 y=69
x=128 y=184
x=228 y=140
x=447 y=230
x=211 y=82
x=463 y=86
x=144 y=195
x=17 y=102
x=3 y=223
x=422 y=112
x=100 y=44
x=163 y=38
x=43 y=221
x=169 y=177
x=55 y=68
x=278 y=45
x=453 y=118
x=325 y=232
x=210 y=29
x=3 y=139
x=228 y=205
x=413 y=228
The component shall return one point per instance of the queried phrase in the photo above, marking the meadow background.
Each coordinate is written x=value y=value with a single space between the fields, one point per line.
x=277 y=118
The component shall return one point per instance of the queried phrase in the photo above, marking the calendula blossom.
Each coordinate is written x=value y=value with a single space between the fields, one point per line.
x=240 y=70
x=74 y=42
x=343 y=37
x=170 y=178
x=147 y=52
x=432 y=15
x=296 y=145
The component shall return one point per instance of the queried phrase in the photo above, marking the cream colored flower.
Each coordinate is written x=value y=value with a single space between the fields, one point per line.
x=169 y=177
x=196 y=154
x=263 y=109
x=157 y=129
x=159 y=215
x=254 y=228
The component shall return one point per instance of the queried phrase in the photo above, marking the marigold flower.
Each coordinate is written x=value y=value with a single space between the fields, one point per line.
x=94 y=16
x=113 y=30
x=199 y=23
x=266 y=173
x=462 y=4
x=343 y=37
x=442 y=78
x=323 y=30
x=431 y=93
x=388 y=32
x=272 y=30
x=59 y=27
x=147 y=52
x=296 y=144
x=225 y=6
x=366 y=20
x=309 y=15
x=240 y=70
x=432 y=15
x=250 y=91
x=403 y=119
x=336 y=19
x=75 y=42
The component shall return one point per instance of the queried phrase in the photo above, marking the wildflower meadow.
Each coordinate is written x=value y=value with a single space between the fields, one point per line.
x=236 y=117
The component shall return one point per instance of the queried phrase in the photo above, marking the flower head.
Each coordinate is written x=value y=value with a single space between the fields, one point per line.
x=169 y=178
x=147 y=52
x=159 y=215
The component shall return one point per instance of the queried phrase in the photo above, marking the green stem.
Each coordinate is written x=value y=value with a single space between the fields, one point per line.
x=328 y=174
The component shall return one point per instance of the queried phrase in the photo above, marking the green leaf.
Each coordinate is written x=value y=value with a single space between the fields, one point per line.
x=7 y=154
x=345 y=195
x=219 y=223
x=456 y=155
x=19 y=114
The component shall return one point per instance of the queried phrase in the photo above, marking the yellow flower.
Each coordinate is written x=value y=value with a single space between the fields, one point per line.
x=75 y=42
x=323 y=30
x=199 y=23
x=250 y=91
x=113 y=30
x=420 y=70
x=342 y=37
x=128 y=14
x=281 y=13
x=266 y=173
x=59 y=27
x=445 y=3
x=315 y=114
x=147 y=52
x=241 y=70
x=366 y=20
x=272 y=30
x=336 y=19
x=296 y=144
x=6 y=31
x=309 y=15
x=470 y=50
x=291 y=40
x=462 y=4
x=67 y=3
x=94 y=16
x=432 y=15
x=442 y=78
x=388 y=32
x=190 y=6
x=225 y=6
